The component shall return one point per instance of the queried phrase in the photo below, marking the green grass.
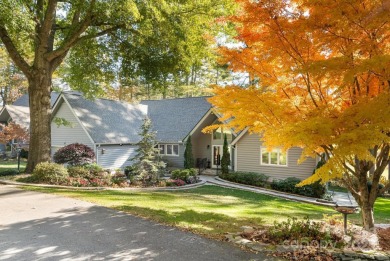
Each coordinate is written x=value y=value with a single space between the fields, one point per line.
x=12 y=164
x=209 y=210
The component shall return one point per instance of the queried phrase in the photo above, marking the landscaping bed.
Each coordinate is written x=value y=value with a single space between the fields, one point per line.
x=315 y=240
x=288 y=185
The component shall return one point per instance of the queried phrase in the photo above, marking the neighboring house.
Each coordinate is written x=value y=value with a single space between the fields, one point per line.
x=251 y=155
x=19 y=112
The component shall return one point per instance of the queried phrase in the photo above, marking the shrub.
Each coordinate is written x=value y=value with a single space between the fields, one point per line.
x=174 y=183
x=8 y=172
x=119 y=179
x=294 y=229
x=182 y=174
x=50 y=173
x=130 y=171
x=79 y=172
x=248 y=178
x=93 y=168
x=74 y=154
x=288 y=185
x=193 y=171
x=103 y=179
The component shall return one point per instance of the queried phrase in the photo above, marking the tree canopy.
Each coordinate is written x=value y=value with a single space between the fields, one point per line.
x=100 y=42
x=320 y=74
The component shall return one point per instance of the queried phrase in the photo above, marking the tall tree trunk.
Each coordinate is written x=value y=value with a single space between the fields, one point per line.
x=40 y=117
x=366 y=206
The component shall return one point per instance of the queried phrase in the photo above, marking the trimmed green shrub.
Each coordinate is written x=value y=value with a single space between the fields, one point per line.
x=248 y=178
x=186 y=175
x=74 y=154
x=193 y=171
x=182 y=174
x=316 y=190
x=8 y=172
x=50 y=173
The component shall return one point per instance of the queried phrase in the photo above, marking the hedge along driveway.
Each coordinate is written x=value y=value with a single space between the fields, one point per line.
x=208 y=210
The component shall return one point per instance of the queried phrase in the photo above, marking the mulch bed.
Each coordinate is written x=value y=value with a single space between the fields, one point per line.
x=384 y=238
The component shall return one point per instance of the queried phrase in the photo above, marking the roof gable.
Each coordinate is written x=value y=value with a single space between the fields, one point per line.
x=108 y=121
x=18 y=114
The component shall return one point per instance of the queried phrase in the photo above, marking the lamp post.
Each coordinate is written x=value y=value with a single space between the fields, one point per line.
x=18 y=155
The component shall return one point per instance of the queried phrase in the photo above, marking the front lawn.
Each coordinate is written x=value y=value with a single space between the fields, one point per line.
x=12 y=164
x=209 y=210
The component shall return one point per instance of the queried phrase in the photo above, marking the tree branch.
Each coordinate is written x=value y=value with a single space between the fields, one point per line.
x=45 y=29
x=13 y=52
x=73 y=36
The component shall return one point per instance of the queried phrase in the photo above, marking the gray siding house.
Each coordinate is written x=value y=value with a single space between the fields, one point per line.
x=111 y=128
x=250 y=155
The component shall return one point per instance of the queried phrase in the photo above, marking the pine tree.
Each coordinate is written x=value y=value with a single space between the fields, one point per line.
x=225 y=161
x=188 y=157
x=147 y=163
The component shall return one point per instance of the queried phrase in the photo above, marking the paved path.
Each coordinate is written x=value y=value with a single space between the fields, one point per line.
x=37 y=226
x=339 y=198
x=220 y=182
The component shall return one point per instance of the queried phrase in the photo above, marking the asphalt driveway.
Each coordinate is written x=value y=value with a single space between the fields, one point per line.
x=37 y=226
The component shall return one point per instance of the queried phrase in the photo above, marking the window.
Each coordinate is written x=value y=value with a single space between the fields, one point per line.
x=162 y=149
x=219 y=134
x=273 y=157
x=168 y=149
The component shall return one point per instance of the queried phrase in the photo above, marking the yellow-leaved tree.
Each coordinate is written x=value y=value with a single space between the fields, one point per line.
x=320 y=79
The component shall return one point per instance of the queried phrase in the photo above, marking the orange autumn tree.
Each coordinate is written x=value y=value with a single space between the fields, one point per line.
x=13 y=131
x=320 y=79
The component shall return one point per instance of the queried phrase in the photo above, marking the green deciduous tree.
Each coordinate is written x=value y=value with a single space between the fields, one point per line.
x=94 y=37
x=188 y=157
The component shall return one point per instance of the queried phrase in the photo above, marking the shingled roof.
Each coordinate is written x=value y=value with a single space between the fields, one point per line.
x=23 y=100
x=173 y=119
x=18 y=114
x=108 y=121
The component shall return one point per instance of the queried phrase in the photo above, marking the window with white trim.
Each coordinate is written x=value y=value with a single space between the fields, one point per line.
x=172 y=150
x=168 y=149
x=273 y=157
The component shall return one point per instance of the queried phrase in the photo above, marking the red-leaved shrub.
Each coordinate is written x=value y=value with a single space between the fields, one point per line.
x=74 y=154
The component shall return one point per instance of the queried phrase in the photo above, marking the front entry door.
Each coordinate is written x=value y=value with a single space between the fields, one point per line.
x=217 y=151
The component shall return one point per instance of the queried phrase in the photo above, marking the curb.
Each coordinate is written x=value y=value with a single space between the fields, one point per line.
x=272 y=193
x=185 y=187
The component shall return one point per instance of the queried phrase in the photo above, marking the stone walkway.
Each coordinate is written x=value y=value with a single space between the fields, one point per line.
x=339 y=198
